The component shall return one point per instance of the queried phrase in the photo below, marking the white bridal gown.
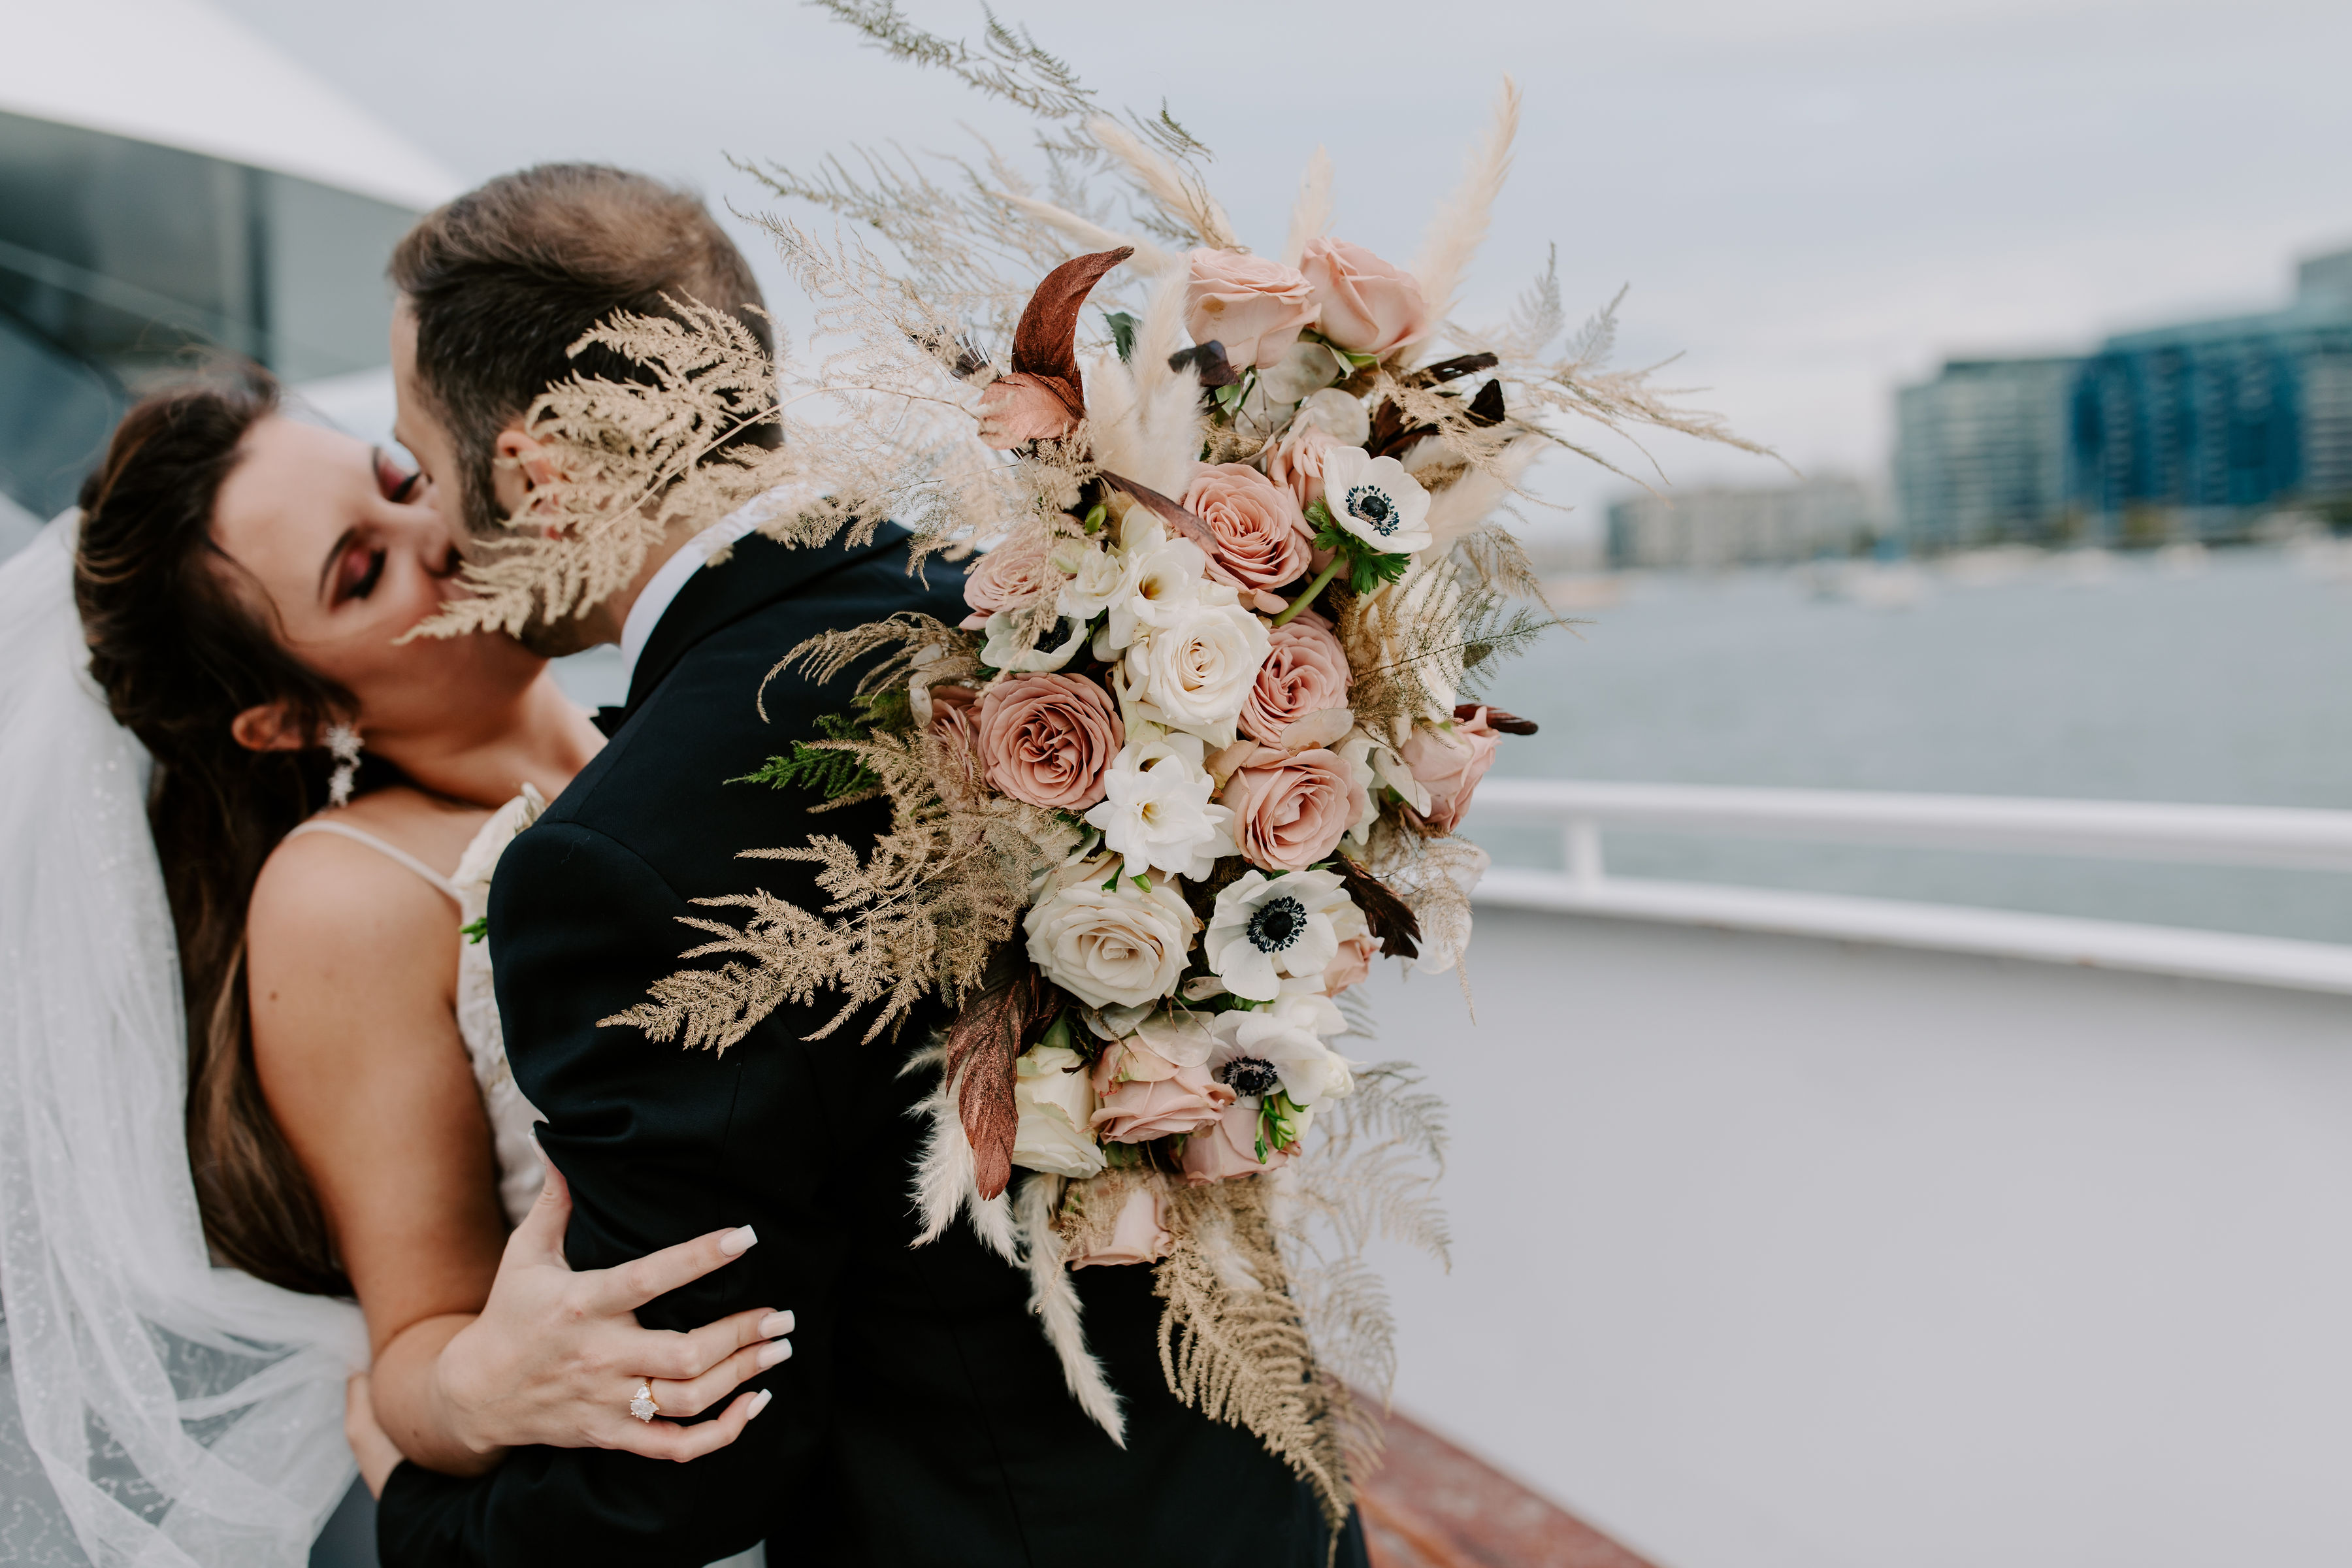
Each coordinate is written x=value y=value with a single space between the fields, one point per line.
x=512 y=1116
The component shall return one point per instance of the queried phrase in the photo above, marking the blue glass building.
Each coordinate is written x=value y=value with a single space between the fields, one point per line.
x=2196 y=430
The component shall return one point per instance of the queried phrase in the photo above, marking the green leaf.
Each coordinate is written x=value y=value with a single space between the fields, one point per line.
x=1320 y=516
x=830 y=772
x=475 y=930
x=1143 y=882
x=1122 y=336
x=1097 y=515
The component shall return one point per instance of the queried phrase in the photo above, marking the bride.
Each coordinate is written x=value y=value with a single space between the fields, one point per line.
x=242 y=1022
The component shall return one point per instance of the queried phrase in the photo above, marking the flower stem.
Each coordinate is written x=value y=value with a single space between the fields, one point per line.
x=1339 y=558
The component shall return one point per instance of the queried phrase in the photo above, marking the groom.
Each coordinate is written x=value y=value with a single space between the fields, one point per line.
x=923 y=1421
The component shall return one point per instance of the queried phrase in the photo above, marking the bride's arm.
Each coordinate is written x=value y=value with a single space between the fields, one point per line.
x=351 y=966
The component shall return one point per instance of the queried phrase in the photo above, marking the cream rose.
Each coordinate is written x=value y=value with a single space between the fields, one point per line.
x=1296 y=462
x=1291 y=811
x=1254 y=307
x=1055 y=1097
x=1229 y=1149
x=1136 y=1231
x=1046 y=739
x=1305 y=672
x=1140 y=1095
x=1256 y=531
x=1117 y=945
x=1450 y=764
x=1197 y=669
x=1013 y=576
x=1365 y=305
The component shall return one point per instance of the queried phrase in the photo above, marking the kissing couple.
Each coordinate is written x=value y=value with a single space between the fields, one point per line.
x=308 y=935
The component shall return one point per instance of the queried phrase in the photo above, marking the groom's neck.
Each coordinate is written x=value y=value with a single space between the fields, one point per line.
x=603 y=623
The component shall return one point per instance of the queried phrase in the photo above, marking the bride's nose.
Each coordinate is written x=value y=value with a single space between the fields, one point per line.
x=428 y=535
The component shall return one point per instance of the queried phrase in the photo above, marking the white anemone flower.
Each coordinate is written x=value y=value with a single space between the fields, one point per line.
x=1288 y=1037
x=1156 y=809
x=1263 y=928
x=1375 y=500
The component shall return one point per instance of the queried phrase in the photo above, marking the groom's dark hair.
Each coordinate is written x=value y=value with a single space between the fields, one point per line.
x=504 y=279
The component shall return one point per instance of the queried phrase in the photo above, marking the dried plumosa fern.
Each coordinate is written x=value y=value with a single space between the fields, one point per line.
x=1234 y=1342
x=919 y=914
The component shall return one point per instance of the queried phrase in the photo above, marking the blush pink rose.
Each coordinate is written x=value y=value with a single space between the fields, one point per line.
x=1307 y=672
x=1020 y=408
x=1256 y=532
x=1365 y=304
x=1295 y=463
x=1254 y=307
x=1013 y=576
x=1352 y=965
x=1450 y=766
x=1046 y=739
x=1291 y=812
x=1139 y=1234
x=955 y=725
x=1144 y=1096
x=1229 y=1149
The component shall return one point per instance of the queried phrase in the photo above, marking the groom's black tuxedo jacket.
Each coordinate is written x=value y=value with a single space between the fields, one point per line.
x=922 y=1419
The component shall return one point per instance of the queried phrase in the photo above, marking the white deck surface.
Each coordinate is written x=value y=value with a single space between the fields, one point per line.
x=1774 y=1252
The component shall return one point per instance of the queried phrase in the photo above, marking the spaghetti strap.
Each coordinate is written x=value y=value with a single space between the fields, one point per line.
x=359 y=836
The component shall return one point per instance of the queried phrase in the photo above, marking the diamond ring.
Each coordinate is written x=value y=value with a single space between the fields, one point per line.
x=642 y=1405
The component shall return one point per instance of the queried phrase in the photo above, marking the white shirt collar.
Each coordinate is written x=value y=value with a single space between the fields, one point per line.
x=662 y=589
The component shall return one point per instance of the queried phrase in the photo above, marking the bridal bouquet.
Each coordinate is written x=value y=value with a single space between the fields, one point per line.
x=1197 y=754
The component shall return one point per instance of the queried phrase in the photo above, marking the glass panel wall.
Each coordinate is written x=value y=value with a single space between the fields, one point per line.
x=122 y=261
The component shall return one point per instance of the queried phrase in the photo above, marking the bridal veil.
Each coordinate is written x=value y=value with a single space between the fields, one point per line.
x=154 y=1410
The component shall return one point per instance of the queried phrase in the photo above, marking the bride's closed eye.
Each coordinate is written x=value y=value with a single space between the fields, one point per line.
x=395 y=483
x=358 y=570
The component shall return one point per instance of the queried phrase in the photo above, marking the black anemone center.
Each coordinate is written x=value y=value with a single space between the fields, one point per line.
x=1374 y=507
x=1249 y=1075
x=1276 y=924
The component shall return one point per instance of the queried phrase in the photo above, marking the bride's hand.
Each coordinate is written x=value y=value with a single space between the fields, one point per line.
x=555 y=1355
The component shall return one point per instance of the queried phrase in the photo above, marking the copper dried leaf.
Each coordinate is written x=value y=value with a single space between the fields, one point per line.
x=1508 y=723
x=1168 y=511
x=1045 y=342
x=987 y=1037
x=1487 y=409
x=1388 y=917
x=1391 y=435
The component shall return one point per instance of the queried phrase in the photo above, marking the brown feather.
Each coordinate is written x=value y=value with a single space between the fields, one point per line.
x=987 y=1037
x=1385 y=915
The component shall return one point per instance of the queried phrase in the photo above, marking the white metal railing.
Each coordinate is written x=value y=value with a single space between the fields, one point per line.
x=2275 y=836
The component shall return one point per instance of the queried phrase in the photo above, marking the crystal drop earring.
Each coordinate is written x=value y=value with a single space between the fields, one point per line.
x=343 y=745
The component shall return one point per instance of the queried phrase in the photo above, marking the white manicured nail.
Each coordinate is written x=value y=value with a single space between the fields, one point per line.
x=776 y=1323
x=773 y=1352
x=736 y=1243
x=758 y=1404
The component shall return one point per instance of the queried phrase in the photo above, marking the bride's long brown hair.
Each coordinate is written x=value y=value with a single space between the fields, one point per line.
x=180 y=651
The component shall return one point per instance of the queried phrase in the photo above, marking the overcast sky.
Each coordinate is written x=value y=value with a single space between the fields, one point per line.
x=1813 y=200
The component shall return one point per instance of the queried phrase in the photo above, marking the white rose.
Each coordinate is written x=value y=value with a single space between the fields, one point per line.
x=1116 y=945
x=1342 y=417
x=1156 y=810
x=1057 y=1099
x=1198 y=669
x=1375 y=500
x=1095 y=578
x=1289 y=1036
x=1263 y=928
x=1377 y=762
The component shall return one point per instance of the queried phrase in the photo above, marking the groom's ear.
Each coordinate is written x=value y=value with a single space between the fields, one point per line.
x=267 y=726
x=520 y=467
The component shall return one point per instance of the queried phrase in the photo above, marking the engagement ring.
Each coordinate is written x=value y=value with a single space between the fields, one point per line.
x=642 y=1405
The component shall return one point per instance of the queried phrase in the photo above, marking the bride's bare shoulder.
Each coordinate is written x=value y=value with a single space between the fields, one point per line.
x=321 y=889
